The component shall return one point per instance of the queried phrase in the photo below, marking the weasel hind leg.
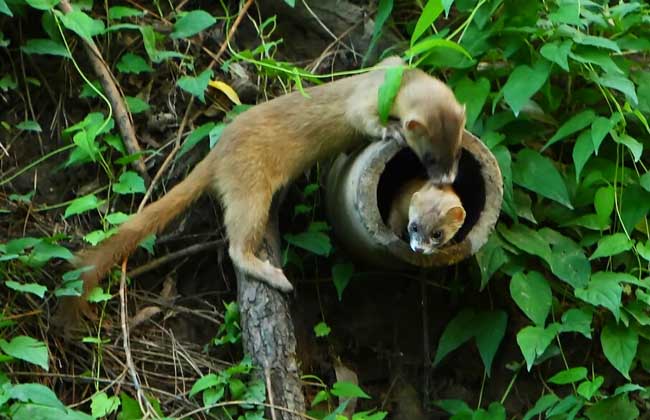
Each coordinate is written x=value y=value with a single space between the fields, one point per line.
x=246 y=221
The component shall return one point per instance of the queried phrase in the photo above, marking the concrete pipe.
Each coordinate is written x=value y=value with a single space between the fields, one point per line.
x=361 y=185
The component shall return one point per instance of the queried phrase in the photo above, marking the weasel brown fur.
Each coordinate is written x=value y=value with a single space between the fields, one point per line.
x=270 y=144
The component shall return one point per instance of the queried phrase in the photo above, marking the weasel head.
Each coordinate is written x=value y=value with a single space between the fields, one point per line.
x=433 y=123
x=435 y=215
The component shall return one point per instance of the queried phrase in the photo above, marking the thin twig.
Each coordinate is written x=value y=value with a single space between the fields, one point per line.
x=190 y=250
x=269 y=390
x=233 y=28
x=145 y=405
x=122 y=116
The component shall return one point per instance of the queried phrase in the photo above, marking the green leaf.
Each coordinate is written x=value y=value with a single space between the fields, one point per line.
x=446 y=4
x=384 y=9
x=596 y=41
x=567 y=12
x=45 y=46
x=634 y=206
x=129 y=183
x=36 y=393
x=619 y=408
x=602 y=59
x=644 y=181
x=97 y=295
x=121 y=12
x=538 y=174
x=388 y=92
x=473 y=95
x=82 y=24
x=619 y=346
x=620 y=83
x=643 y=250
x=133 y=63
x=633 y=145
x=33 y=288
x=558 y=53
x=569 y=376
x=532 y=294
x=568 y=261
x=430 y=44
x=195 y=137
x=490 y=330
x=322 y=329
x=612 y=245
x=543 y=403
x=130 y=408
x=321 y=396
x=196 y=86
x=454 y=407
x=496 y=411
x=429 y=14
x=5 y=9
x=27 y=349
x=29 y=125
x=604 y=204
x=572 y=125
x=102 y=405
x=42 y=4
x=82 y=204
x=599 y=129
x=192 y=23
x=523 y=83
x=291 y=3
x=7 y=83
x=204 y=383
x=459 y=330
x=604 y=290
x=582 y=151
x=577 y=320
x=533 y=341
x=136 y=105
x=490 y=258
x=348 y=390
x=45 y=251
x=341 y=276
x=315 y=242
x=588 y=389
x=528 y=240
x=627 y=388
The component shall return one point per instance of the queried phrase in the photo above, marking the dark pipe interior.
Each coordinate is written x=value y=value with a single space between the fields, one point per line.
x=469 y=185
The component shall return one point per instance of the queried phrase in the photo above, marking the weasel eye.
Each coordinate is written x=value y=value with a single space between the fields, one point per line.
x=437 y=234
x=413 y=228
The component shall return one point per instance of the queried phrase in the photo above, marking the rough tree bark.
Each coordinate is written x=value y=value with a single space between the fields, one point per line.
x=267 y=329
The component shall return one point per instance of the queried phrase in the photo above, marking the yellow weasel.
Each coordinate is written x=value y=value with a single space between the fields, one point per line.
x=270 y=144
x=430 y=215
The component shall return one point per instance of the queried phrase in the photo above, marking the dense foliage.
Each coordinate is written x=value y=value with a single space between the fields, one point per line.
x=558 y=90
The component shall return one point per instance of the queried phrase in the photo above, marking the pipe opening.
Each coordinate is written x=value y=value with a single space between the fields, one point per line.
x=469 y=185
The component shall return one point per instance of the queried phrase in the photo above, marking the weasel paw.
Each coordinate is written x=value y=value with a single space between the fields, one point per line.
x=393 y=132
x=275 y=278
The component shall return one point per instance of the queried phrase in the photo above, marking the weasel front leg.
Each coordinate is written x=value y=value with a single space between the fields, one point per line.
x=372 y=126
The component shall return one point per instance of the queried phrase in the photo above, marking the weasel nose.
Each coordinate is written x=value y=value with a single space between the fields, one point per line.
x=417 y=249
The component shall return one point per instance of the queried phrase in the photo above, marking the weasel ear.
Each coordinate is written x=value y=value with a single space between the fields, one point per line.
x=415 y=125
x=457 y=214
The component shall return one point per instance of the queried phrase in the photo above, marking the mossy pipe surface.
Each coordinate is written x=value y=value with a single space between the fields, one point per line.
x=360 y=186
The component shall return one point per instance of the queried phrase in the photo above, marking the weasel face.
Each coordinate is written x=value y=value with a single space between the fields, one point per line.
x=436 y=141
x=435 y=215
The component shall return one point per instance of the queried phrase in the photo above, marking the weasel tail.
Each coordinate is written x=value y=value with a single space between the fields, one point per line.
x=152 y=219
x=269 y=145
